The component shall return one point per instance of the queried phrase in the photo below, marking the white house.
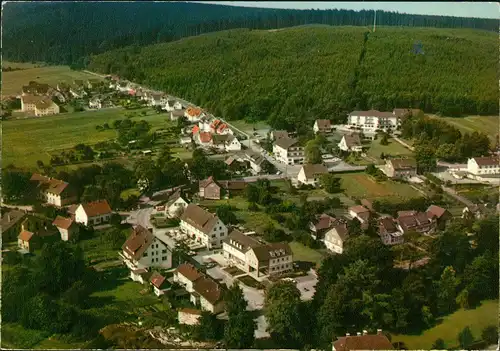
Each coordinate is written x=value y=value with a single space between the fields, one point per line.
x=184 y=140
x=226 y=142
x=155 y=100
x=176 y=114
x=93 y=213
x=208 y=294
x=95 y=103
x=160 y=284
x=175 y=205
x=372 y=120
x=335 y=238
x=204 y=226
x=389 y=232
x=66 y=226
x=288 y=151
x=310 y=173
x=143 y=250
x=481 y=166
x=186 y=274
x=322 y=126
x=256 y=160
x=361 y=213
x=54 y=191
x=193 y=114
x=256 y=258
x=351 y=143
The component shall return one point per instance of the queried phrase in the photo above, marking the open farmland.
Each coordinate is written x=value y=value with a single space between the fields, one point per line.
x=22 y=65
x=360 y=185
x=487 y=124
x=12 y=82
x=27 y=140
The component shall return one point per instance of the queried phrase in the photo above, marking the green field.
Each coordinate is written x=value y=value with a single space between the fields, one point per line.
x=12 y=82
x=394 y=149
x=248 y=127
x=23 y=65
x=304 y=253
x=27 y=140
x=448 y=329
x=487 y=124
x=360 y=185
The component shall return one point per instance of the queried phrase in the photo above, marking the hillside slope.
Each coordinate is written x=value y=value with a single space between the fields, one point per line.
x=67 y=32
x=289 y=75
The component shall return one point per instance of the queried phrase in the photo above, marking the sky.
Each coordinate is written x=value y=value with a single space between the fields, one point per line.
x=458 y=9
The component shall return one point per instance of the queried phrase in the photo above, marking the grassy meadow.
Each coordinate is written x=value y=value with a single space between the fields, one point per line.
x=489 y=125
x=27 y=140
x=12 y=82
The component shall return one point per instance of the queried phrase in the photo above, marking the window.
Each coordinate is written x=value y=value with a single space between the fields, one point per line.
x=163 y=251
x=152 y=253
x=164 y=258
x=145 y=254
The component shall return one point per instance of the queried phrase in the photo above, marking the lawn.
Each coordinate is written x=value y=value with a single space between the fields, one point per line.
x=23 y=65
x=360 y=185
x=304 y=253
x=16 y=336
x=27 y=140
x=394 y=149
x=128 y=192
x=486 y=124
x=448 y=329
x=12 y=82
x=246 y=127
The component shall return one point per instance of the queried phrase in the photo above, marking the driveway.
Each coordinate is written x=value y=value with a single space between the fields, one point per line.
x=141 y=217
x=306 y=285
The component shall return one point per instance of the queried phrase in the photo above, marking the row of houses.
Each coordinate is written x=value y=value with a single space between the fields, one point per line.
x=215 y=134
x=333 y=232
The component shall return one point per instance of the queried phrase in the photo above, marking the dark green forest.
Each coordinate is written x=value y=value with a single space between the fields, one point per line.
x=291 y=75
x=67 y=33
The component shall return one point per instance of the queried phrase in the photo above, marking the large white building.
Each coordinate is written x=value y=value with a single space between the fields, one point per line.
x=205 y=227
x=481 y=166
x=143 y=250
x=39 y=105
x=288 y=151
x=372 y=120
x=257 y=258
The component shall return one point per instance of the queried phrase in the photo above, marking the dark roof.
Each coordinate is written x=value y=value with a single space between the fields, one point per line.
x=363 y=342
x=403 y=163
x=341 y=230
x=313 y=170
x=209 y=289
x=352 y=140
x=324 y=222
x=138 y=242
x=407 y=220
x=265 y=252
x=10 y=218
x=63 y=222
x=199 y=218
x=174 y=197
x=372 y=113
x=97 y=208
x=285 y=143
x=487 y=161
x=233 y=184
x=50 y=185
x=278 y=134
x=323 y=123
x=158 y=280
x=237 y=238
x=387 y=225
x=189 y=271
x=178 y=113
x=435 y=211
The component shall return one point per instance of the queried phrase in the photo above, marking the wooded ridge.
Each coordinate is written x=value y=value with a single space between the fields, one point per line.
x=303 y=73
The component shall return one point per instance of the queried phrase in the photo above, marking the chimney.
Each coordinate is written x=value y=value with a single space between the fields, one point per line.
x=365 y=332
x=379 y=331
x=358 y=334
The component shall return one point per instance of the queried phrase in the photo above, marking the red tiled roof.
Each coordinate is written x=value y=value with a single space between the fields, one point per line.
x=487 y=161
x=205 y=137
x=363 y=342
x=206 y=182
x=209 y=289
x=196 y=129
x=138 y=242
x=25 y=235
x=189 y=271
x=435 y=211
x=97 y=208
x=221 y=127
x=62 y=222
x=157 y=280
x=199 y=218
x=194 y=112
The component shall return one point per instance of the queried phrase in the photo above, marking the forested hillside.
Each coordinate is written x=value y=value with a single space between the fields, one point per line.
x=289 y=75
x=68 y=32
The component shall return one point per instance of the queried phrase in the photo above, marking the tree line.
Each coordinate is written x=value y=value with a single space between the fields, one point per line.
x=256 y=75
x=68 y=33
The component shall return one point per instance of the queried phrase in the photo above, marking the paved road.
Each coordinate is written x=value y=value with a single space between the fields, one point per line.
x=454 y=194
x=411 y=148
x=306 y=285
x=264 y=176
x=141 y=217
x=21 y=208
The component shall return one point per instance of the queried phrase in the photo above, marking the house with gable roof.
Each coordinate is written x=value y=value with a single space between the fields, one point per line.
x=335 y=238
x=203 y=226
x=363 y=341
x=288 y=151
x=54 y=191
x=414 y=221
x=144 y=250
x=389 y=232
x=26 y=240
x=322 y=126
x=310 y=174
x=350 y=143
x=174 y=205
x=160 y=284
x=193 y=114
x=93 y=213
x=322 y=224
x=209 y=189
x=400 y=168
x=482 y=166
x=67 y=227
